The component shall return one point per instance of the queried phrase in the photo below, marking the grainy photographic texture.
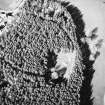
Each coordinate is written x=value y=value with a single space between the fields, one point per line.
x=45 y=57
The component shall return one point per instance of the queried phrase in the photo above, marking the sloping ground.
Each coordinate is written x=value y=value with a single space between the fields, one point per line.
x=30 y=49
x=10 y=4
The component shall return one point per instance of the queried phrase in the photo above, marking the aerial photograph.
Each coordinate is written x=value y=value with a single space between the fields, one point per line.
x=52 y=52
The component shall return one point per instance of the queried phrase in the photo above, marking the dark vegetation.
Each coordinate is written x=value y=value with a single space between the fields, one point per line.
x=27 y=51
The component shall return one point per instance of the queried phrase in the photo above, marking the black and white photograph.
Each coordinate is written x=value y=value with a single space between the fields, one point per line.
x=52 y=52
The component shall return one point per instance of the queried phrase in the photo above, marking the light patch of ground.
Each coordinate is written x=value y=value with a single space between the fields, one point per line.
x=65 y=64
x=67 y=59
